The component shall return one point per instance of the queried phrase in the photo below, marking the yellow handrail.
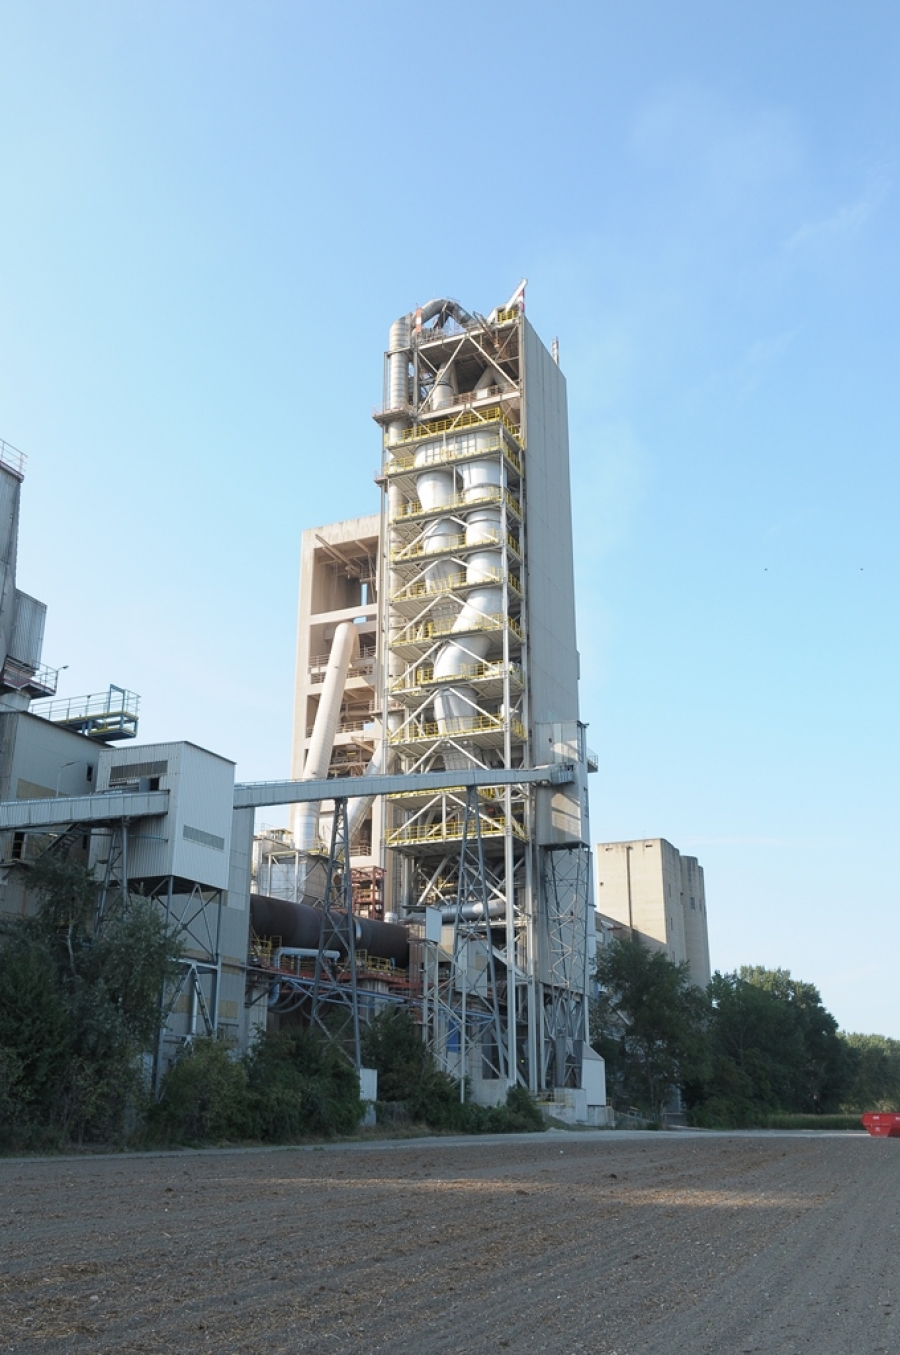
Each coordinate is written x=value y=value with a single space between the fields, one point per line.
x=435 y=630
x=416 y=549
x=491 y=494
x=434 y=587
x=471 y=672
x=401 y=462
x=467 y=418
x=452 y=829
x=461 y=726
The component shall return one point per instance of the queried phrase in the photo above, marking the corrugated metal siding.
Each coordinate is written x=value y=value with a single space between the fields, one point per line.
x=9 y=513
x=27 y=638
x=552 y=654
x=204 y=806
x=196 y=834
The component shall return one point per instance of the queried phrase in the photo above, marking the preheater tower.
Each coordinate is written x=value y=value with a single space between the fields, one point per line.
x=480 y=669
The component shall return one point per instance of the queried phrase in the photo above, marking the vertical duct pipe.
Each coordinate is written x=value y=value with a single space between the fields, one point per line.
x=344 y=648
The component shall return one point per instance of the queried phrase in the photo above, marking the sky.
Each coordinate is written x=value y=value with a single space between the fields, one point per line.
x=211 y=213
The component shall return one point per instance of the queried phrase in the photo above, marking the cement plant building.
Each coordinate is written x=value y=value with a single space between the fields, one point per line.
x=651 y=893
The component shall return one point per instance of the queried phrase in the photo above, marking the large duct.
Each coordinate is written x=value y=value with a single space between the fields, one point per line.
x=359 y=808
x=299 y=926
x=399 y=341
x=456 y=706
x=344 y=648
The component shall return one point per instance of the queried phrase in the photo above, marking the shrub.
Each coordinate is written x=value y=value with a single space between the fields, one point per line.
x=204 y=1096
x=299 y=1084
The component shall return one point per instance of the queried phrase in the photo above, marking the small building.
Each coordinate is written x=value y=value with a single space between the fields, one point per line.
x=648 y=891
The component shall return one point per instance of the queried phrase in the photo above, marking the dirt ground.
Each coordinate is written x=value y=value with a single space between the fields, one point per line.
x=617 y=1244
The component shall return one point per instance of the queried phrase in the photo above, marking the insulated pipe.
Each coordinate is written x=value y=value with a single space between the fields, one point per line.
x=344 y=648
x=471 y=912
x=358 y=809
x=399 y=341
x=443 y=306
x=444 y=391
x=398 y=362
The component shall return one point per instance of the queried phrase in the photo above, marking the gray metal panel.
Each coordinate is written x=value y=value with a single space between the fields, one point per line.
x=553 y=656
x=202 y=813
x=196 y=844
x=26 y=638
x=10 y=484
x=259 y=794
x=82 y=809
x=44 y=754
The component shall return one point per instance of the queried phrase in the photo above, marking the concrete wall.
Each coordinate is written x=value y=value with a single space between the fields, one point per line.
x=552 y=652
x=327 y=597
x=696 y=936
x=660 y=884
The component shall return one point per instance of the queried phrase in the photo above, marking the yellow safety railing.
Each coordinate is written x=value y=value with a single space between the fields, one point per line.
x=401 y=462
x=468 y=418
x=456 y=726
x=436 y=630
x=491 y=494
x=434 y=587
x=503 y=317
x=449 y=830
x=416 y=549
x=471 y=672
x=262 y=948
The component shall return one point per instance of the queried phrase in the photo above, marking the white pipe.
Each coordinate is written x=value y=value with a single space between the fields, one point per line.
x=358 y=809
x=398 y=363
x=344 y=648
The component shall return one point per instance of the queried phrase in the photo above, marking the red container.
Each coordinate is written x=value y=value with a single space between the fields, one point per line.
x=882 y=1126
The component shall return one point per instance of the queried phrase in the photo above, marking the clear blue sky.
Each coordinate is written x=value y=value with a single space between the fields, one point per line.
x=211 y=213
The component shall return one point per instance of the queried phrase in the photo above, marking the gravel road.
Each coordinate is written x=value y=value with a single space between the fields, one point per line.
x=613 y=1243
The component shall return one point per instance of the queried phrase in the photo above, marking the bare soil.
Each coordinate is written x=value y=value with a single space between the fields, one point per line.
x=617 y=1244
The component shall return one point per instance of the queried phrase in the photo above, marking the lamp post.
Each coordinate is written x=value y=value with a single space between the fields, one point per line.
x=60 y=772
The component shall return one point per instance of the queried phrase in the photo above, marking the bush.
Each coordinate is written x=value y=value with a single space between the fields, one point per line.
x=204 y=1097
x=79 y=1005
x=301 y=1085
x=409 y=1076
x=290 y=1086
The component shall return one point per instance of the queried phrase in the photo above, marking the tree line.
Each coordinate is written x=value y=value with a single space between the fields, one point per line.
x=757 y=1043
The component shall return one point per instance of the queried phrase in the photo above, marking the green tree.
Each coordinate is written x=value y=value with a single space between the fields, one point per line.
x=773 y=1047
x=407 y=1073
x=824 y=1071
x=301 y=1084
x=204 y=1096
x=79 y=1004
x=875 y=1063
x=649 y=1024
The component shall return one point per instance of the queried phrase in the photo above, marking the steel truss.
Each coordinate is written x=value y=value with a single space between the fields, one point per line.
x=194 y=912
x=338 y=932
x=565 y=918
x=462 y=999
